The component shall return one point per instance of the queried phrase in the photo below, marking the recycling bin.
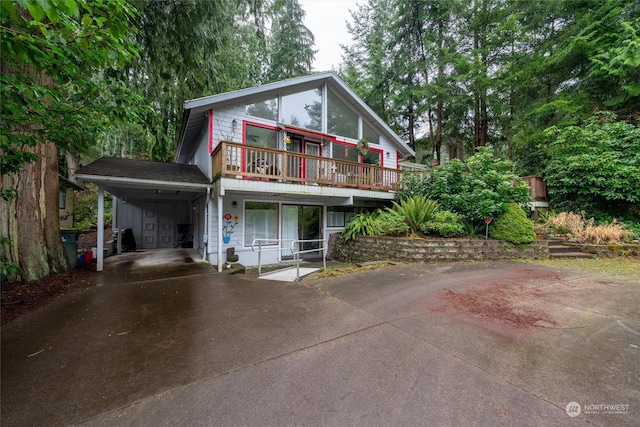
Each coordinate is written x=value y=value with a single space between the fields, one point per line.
x=70 y=243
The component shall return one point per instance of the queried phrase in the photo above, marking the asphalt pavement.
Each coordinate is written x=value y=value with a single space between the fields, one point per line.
x=448 y=344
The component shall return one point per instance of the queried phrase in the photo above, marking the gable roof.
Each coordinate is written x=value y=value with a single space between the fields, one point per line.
x=195 y=110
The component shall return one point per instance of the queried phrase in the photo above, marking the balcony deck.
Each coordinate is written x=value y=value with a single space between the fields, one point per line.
x=232 y=159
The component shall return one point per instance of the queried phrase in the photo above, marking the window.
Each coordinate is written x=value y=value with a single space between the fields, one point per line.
x=372 y=157
x=261 y=137
x=303 y=109
x=339 y=216
x=260 y=221
x=345 y=152
x=341 y=120
x=335 y=219
x=369 y=133
x=62 y=199
x=265 y=109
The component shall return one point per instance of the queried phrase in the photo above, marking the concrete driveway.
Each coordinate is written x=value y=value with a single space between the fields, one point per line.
x=500 y=343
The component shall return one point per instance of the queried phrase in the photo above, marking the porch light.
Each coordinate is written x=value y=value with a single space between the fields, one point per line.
x=234 y=125
x=234 y=204
x=287 y=139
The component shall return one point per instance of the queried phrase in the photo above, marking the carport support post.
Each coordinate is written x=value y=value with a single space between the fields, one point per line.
x=100 y=254
x=219 y=240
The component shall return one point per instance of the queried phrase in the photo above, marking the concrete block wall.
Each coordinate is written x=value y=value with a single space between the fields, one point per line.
x=380 y=248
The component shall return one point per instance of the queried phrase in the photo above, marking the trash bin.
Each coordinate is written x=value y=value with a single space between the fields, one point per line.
x=70 y=243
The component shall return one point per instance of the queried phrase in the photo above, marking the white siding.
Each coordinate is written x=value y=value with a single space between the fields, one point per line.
x=223 y=124
x=390 y=161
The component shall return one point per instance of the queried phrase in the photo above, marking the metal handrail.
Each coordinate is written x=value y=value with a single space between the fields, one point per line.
x=296 y=253
x=294 y=250
x=272 y=247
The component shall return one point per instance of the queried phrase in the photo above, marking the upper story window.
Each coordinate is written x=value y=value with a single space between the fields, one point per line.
x=373 y=157
x=341 y=120
x=369 y=133
x=303 y=109
x=261 y=137
x=345 y=152
x=264 y=109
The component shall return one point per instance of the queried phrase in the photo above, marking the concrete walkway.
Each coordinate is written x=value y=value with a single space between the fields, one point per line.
x=503 y=343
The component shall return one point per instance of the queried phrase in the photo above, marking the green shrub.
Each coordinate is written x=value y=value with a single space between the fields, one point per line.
x=513 y=226
x=362 y=224
x=444 y=224
x=442 y=229
x=477 y=189
x=392 y=224
x=416 y=210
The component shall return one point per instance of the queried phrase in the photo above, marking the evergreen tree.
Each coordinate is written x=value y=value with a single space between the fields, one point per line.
x=290 y=49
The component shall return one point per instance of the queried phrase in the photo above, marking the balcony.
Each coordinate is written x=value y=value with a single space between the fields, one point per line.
x=233 y=160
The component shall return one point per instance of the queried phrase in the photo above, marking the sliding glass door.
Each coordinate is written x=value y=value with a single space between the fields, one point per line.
x=301 y=223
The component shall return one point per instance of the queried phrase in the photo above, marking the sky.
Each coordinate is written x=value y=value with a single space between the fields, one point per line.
x=326 y=20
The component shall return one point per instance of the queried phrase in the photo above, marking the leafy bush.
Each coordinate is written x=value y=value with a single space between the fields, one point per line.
x=444 y=224
x=512 y=226
x=362 y=224
x=477 y=189
x=416 y=210
x=392 y=224
x=595 y=168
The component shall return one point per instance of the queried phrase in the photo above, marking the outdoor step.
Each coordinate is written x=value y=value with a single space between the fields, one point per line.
x=570 y=255
x=562 y=249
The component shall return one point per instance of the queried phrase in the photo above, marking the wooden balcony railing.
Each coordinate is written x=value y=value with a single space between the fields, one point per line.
x=231 y=159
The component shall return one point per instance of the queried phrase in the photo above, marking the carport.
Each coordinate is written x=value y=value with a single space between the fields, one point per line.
x=155 y=197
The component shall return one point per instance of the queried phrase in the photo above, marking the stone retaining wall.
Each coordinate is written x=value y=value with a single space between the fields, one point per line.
x=611 y=250
x=365 y=248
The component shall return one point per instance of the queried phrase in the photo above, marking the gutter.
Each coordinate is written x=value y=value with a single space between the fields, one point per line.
x=122 y=180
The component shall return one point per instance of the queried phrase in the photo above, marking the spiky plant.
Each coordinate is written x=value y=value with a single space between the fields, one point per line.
x=416 y=211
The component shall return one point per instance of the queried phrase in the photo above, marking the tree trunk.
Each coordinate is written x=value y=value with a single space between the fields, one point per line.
x=32 y=220
x=484 y=120
x=412 y=124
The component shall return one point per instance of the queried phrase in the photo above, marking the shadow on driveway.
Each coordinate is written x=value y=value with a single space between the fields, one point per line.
x=503 y=343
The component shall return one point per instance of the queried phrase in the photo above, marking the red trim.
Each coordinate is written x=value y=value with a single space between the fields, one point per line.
x=304 y=151
x=260 y=125
x=306 y=133
x=381 y=152
x=210 y=131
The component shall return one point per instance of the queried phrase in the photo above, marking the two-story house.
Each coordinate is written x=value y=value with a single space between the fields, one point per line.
x=285 y=161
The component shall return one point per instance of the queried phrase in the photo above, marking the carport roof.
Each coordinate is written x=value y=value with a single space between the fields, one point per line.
x=125 y=174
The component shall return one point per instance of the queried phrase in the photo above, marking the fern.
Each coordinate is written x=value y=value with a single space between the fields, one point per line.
x=362 y=224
